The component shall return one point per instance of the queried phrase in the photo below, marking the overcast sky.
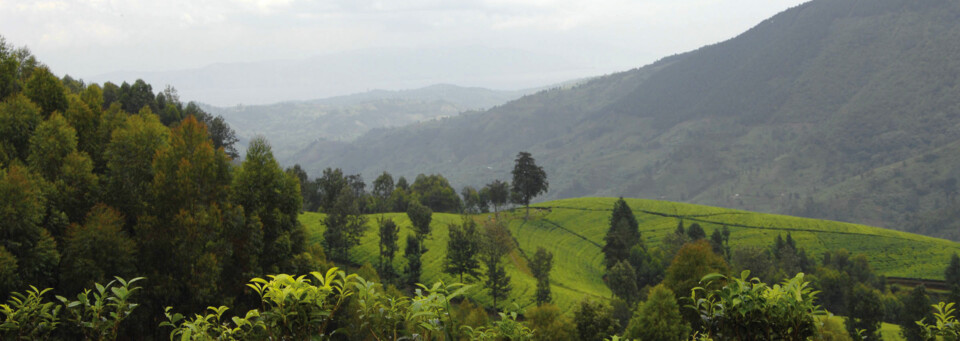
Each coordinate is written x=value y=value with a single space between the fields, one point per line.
x=91 y=37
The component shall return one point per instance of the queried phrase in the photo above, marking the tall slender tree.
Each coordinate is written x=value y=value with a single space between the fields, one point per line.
x=622 y=236
x=462 y=248
x=389 y=233
x=540 y=267
x=497 y=243
x=412 y=253
x=529 y=180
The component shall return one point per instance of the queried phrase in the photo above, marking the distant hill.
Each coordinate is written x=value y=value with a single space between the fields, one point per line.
x=573 y=230
x=839 y=109
x=344 y=73
x=291 y=126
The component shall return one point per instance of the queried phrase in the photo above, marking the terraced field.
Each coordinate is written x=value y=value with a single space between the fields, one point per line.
x=573 y=230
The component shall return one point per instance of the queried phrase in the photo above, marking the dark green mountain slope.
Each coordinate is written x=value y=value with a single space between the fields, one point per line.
x=840 y=109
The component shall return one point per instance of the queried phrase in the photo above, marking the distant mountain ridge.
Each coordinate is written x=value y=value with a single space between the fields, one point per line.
x=344 y=73
x=839 y=109
x=292 y=125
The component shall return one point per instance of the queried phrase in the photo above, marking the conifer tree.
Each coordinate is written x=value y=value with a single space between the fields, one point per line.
x=622 y=236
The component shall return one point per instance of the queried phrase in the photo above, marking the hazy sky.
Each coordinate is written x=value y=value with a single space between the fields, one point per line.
x=90 y=37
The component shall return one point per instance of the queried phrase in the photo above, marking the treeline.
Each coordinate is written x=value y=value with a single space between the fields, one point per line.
x=101 y=181
x=846 y=283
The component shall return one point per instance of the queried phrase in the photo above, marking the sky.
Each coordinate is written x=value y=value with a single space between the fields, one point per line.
x=85 y=38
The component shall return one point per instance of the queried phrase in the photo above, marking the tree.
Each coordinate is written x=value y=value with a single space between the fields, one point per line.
x=529 y=180
x=952 y=272
x=50 y=144
x=693 y=261
x=18 y=119
x=648 y=265
x=435 y=192
x=720 y=242
x=594 y=321
x=540 y=268
x=550 y=323
x=27 y=250
x=129 y=162
x=865 y=311
x=658 y=318
x=916 y=307
x=496 y=243
x=46 y=90
x=696 y=232
x=420 y=217
x=462 y=249
x=622 y=236
x=185 y=233
x=382 y=189
x=499 y=193
x=97 y=250
x=471 y=200
x=272 y=197
x=622 y=281
x=412 y=253
x=345 y=226
x=329 y=186
x=389 y=234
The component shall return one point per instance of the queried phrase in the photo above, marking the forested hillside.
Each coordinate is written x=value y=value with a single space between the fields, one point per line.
x=846 y=110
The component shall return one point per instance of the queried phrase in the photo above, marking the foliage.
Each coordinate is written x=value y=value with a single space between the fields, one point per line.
x=624 y=234
x=97 y=249
x=529 y=180
x=944 y=326
x=498 y=192
x=44 y=89
x=507 y=328
x=413 y=252
x=540 y=267
x=748 y=309
x=594 y=321
x=693 y=261
x=658 y=318
x=916 y=307
x=622 y=280
x=462 y=248
x=550 y=324
x=496 y=243
x=345 y=225
x=420 y=216
x=98 y=314
x=95 y=314
x=435 y=192
x=865 y=312
x=389 y=235
x=271 y=197
x=27 y=316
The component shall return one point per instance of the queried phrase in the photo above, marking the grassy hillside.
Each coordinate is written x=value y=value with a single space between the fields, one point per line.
x=573 y=230
x=820 y=111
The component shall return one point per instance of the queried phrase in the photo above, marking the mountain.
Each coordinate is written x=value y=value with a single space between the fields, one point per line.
x=839 y=109
x=338 y=74
x=291 y=126
x=573 y=230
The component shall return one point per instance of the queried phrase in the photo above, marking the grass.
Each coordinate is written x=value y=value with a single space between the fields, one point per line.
x=573 y=230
